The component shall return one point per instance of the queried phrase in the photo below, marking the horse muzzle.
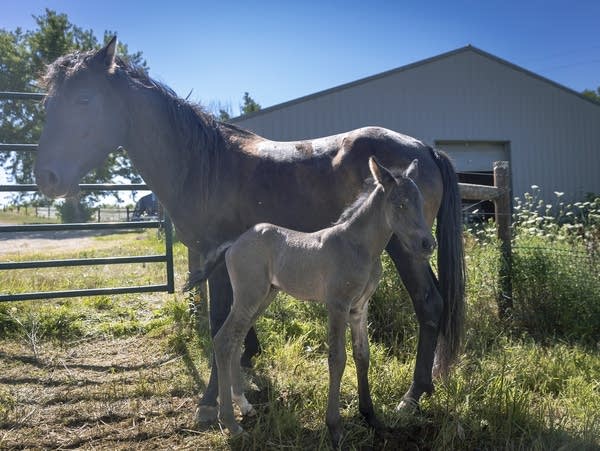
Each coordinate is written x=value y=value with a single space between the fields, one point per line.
x=52 y=185
x=428 y=245
x=422 y=247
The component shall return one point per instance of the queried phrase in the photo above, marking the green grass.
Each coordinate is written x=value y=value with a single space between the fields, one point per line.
x=21 y=216
x=516 y=385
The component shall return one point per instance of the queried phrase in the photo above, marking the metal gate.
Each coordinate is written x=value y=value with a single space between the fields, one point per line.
x=165 y=223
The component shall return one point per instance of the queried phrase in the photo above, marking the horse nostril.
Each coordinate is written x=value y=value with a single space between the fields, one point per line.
x=428 y=245
x=52 y=178
x=47 y=178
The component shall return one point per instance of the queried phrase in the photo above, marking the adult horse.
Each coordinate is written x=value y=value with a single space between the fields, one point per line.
x=147 y=204
x=217 y=180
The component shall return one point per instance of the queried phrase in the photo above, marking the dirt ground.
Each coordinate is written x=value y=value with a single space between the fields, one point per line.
x=48 y=242
x=99 y=394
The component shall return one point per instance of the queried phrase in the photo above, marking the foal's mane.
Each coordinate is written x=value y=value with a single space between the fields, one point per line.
x=359 y=204
x=202 y=137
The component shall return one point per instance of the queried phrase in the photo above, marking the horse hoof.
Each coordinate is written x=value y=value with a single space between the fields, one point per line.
x=206 y=414
x=408 y=405
x=236 y=431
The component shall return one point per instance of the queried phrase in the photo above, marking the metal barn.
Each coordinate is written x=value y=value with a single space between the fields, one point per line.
x=476 y=106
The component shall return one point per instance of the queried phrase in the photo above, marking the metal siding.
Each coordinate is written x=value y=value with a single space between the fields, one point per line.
x=554 y=135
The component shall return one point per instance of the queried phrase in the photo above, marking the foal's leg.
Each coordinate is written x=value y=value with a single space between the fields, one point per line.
x=337 y=318
x=252 y=291
x=420 y=282
x=237 y=380
x=228 y=339
x=220 y=299
x=361 y=355
x=360 y=352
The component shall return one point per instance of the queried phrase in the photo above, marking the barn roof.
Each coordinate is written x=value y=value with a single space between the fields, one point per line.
x=467 y=48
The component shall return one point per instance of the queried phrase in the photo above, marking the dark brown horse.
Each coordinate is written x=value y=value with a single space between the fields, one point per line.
x=216 y=181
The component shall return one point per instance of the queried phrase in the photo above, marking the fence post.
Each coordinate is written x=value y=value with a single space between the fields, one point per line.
x=502 y=205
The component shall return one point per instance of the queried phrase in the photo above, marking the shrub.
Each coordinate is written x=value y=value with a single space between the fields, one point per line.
x=556 y=290
x=555 y=267
x=74 y=211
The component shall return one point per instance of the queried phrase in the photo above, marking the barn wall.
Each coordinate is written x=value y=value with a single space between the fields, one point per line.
x=552 y=135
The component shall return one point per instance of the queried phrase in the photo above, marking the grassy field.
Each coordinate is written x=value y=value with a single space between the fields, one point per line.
x=124 y=372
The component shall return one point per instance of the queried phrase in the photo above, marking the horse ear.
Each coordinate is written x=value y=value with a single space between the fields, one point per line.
x=380 y=173
x=107 y=54
x=412 y=171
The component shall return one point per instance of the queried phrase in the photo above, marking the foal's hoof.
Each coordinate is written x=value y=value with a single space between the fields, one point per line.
x=206 y=414
x=251 y=412
x=408 y=405
x=236 y=431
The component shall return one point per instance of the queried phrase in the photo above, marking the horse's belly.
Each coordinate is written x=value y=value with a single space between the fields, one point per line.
x=301 y=284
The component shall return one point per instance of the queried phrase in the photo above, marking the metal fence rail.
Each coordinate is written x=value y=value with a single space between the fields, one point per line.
x=166 y=258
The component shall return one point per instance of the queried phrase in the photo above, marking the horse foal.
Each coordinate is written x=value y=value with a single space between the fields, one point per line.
x=339 y=266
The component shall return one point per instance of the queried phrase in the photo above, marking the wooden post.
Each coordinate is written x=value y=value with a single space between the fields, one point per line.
x=502 y=205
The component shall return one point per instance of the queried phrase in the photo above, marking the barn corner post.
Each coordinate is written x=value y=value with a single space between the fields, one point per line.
x=502 y=204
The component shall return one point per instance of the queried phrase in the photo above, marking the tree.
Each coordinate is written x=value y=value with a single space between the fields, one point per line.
x=224 y=115
x=23 y=58
x=249 y=105
x=222 y=111
x=591 y=94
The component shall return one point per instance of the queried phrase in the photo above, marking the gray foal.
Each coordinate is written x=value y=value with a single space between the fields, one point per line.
x=339 y=266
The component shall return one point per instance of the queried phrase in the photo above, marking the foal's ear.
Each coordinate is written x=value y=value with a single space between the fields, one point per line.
x=380 y=173
x=412 y=171
x=106 y=55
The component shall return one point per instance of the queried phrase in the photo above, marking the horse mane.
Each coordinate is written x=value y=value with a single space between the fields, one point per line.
x=202 y=135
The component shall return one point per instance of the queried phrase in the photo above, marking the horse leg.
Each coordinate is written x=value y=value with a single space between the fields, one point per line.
x=420 y=283
x=237 y=382
x=337 y=318
x=251 y=348
x=220 y=300
x=226 y=342
x=361 y=355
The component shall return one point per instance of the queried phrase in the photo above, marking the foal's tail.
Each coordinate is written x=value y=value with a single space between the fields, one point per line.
x=451 y=267
x=201 y=275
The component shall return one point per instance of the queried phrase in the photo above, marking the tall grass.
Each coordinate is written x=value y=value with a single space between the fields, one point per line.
x=555 y=268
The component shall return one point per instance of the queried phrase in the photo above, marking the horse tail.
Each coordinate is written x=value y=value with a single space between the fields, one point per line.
x=201 y=275
x=451 y=267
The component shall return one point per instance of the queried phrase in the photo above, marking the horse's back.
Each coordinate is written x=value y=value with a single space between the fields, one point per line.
x=305 y=184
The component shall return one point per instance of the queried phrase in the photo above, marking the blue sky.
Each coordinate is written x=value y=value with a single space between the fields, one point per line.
x=281 y=50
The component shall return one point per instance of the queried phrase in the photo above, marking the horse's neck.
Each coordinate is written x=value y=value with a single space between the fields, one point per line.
x=158 y=151
x=369 y=226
